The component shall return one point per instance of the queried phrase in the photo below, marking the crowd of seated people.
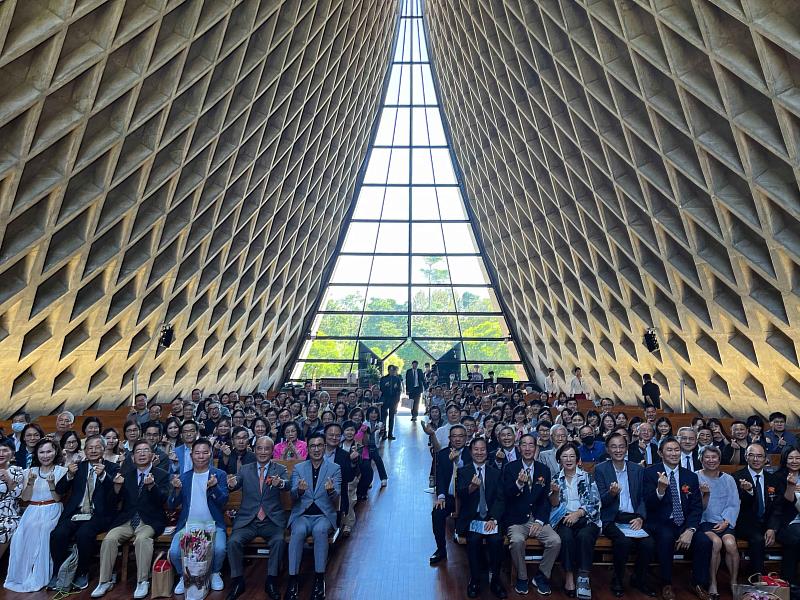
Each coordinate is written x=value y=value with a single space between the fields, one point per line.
x=180 y=463
x=515 y=465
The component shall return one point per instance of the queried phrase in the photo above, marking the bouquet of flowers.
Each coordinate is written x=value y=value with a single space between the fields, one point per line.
x=197 y=550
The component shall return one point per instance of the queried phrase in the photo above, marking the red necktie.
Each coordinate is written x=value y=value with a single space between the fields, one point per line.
x=261 y=514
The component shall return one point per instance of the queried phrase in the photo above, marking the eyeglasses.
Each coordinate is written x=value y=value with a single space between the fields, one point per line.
x=316 y=445
x=756 y=456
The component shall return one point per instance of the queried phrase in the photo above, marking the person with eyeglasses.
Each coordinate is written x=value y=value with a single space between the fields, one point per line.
x=142 y=491
x=759 y=491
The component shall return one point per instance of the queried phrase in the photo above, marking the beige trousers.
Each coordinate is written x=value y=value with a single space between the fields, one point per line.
x=350 y=518
x=142 y=544
x=518 y=536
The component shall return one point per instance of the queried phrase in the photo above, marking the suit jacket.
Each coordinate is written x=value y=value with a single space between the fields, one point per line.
x=254 y=495
x=249 y=457
x=637 y=455
x=316 y=494
x=349 y=472
x=445 y=468
x=390 y=386
x=102 y=500
x=470 y=500
x=548 y=459
x=604 y=475
x=532 y=501
x=149 y=503
x=184 y=454
x=733 y=456
x=216 y=497
x=410 y=388
x=748 y=511
x=696 y=464
x=659 y=511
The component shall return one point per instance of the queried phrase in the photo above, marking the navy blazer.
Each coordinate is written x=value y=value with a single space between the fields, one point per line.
x=659 y=511
x=149 y=503
x=604 y=475
x=102 y=500
x=468 y=510
x=532 y=500
x=444 y=469
x=748 y=516
x=637 y=455
x=216 y=497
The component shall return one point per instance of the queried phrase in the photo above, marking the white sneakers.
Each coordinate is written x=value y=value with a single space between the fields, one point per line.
x=103 y=588
x=216 y=582
x=179 y=589
x=142 y=589
x=384 y=483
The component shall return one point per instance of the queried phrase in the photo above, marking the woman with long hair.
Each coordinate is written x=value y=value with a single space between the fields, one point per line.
x=172 y=435
x=789 y=511
x=71 y=448
x=372 y=431
x=113 y=453
x=11 y=479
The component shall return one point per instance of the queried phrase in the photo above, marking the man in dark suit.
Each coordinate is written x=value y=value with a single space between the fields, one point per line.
x=644 y=451
x=87 y=511
x=153 y=432
x=651 y=392
x=759 y=492
x=478 y=487
x=448 y=461
x=687 y=438
x=234 y=457
x=415 y=385
x=260 y=515
x=142 y=491
x=348 y=462
x=674 y=508
x=390 y=386
x=526 y=486
x=620 y=484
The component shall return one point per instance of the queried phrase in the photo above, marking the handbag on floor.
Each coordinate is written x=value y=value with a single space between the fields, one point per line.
x=162 y=578
x=769 y=587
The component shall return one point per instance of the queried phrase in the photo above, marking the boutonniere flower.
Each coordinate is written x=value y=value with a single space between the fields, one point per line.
x=771 y=492
x=540 y=480
x=685 y=489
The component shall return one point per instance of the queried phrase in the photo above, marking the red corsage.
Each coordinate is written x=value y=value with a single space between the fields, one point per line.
x=771 y=491
x=685 y=489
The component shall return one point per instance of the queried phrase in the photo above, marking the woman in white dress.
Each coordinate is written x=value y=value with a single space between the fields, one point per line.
x=29 y=563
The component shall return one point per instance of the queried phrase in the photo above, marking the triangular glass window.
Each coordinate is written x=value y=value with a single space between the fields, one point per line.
x=409 y=282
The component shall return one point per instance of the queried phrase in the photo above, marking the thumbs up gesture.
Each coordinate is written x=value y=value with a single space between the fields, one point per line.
x=663 y=482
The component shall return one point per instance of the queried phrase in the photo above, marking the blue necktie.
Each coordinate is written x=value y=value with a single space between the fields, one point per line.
x=759 y=497
x=677 y=509
x=483 y=509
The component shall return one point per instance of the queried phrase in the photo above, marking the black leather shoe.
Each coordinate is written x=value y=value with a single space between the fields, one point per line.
x=237 y=589
x=391 y=437
x=497 y=589
x=270 y=589
x=437 y=557
x=292 y=590
x=319 y=589
x=472 y=589
x=643 y=587
x=616 y=588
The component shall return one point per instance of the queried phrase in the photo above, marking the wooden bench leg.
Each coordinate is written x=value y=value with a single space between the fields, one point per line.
x=126 y=548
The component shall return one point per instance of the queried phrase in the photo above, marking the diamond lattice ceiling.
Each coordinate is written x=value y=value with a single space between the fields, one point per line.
x=636 y=163
x=166 y=160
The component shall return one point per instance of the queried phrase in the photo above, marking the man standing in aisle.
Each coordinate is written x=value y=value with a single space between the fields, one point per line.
x=415 y=384
x=390 y=385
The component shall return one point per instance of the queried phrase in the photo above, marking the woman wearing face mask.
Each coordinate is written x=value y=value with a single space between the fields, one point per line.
x=29 y=564
x=11 y=479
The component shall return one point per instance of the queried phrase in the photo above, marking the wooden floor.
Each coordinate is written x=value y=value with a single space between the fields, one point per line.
x=387 y=556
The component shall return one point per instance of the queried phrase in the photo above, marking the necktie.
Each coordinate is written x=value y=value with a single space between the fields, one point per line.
x=689 y=463
x=416 y=383
x=759 y=497
x=677 y=509
x=528 y=473
x=482 y=508
x=261 y=514
x=136 y=519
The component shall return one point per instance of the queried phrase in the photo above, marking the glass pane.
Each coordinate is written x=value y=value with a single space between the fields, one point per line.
x=402 y=52
x=352 y=269
x=420 y=48
x=389 y=299
x=434 y=326
x=467 y=269
x=429 y=269
x=424 y=204
x=422 y=85
x=360 y=237
x=427 y=238
x=393 y=237
x=330 y=349
x=390 y=269
x=394 y=127
x=483 y=327
x=428 y=299
x=458 y=238
x=517 y=372
x=316 y=370
x=370 y=203
x=450 y=204
x=344 y=298
x=476 y=299
x=337 y=325
x=490 y=351
x=427 y=127
x=399 y=91
x=440 y=348
x=382 y=348
x=388 y=165
x=384 y=326
x=442 y=167
x=395 y=206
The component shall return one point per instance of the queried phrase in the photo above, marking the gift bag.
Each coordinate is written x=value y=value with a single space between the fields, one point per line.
x=768 y=587
x=197 y=551
x=162 y=578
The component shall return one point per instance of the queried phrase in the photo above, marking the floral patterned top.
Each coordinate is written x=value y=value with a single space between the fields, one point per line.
x=9 y=504
x=587 y=491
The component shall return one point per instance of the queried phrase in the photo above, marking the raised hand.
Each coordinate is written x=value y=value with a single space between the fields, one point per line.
x=499 y=455
x=99 y=469
x=276 y=481
x=156 y=460
x=791 y=480
x=148 y=480
x=476 y=481
x=353 y=453
x=176 y=482
x=663 y=482
x=614 y=489
x=226 y=449
x=555 y=488
x=705 y=489
x=118 y=479
x=329 y=485
x=72 y=468
x=232 y=481
x=522 y=478
x=212 y=482
x=302 y=485
x=454 y=455
x=746 y=485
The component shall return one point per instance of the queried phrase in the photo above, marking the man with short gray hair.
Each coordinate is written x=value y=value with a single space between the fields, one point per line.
x=558 y=436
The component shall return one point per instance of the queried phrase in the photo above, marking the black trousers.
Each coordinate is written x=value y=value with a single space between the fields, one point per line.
x=414 y=396
x=789 y=537
x=753 y=534
x=665 y=536
x=366 y=471
x=577 y=546
x=439 y=522
x=494 y=550
x=621 y=547
x=388 y=413
x=83 y=534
